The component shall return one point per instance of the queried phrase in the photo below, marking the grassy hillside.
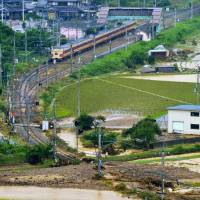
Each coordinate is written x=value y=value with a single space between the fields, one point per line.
x=121 y=60
x=121 y=93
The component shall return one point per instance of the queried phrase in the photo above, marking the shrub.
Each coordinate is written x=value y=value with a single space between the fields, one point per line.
x=38 y=153
x=90 y=139
x=121 y=187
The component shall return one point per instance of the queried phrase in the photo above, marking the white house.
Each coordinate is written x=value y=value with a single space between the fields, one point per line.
x=184 y=119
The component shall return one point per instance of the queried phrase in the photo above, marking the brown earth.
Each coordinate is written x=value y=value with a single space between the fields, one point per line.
x=142 y=177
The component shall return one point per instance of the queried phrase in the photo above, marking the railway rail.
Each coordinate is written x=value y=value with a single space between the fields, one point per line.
x=27 y=87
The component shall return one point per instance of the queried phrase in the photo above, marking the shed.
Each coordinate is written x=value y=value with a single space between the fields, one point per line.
x=159 y=52
x=165 y=69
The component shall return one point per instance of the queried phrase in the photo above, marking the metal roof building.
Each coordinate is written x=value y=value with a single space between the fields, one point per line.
x=184 y=119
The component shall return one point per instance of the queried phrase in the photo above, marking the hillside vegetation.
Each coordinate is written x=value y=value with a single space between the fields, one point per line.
x=37 y=45
x=137 y=53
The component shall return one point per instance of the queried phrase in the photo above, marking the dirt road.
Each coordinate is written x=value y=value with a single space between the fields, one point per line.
x=35 y=193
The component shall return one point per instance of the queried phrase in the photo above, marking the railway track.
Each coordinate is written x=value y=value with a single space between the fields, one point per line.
x=27 y=87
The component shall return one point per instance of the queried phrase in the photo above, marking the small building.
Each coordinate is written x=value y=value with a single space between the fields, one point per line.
x=165 y=69
x=159 y=52
x=184 y=119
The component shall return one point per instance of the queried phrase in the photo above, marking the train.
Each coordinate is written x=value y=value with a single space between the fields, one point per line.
x=58 y=54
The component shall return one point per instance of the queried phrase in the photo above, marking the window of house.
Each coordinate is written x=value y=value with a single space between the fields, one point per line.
x=195 y=126
x=195 y=114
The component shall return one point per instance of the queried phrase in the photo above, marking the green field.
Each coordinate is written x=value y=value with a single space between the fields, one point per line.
x=120 y=93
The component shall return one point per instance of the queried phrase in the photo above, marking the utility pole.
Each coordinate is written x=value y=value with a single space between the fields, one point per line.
x=155 y=3
x=23 y=15
x=14 y=56
x=175 y=16
x=58 y=33
x=191 y=8
x=106 y=3
x=197 y=86
x=54 y=132
x=28 y=119
x=94 y=47
x=126 y=35
x=118 y=3
x=144 y=4
x=2 y=7
x=162 y=175
x=110 y=44
x=71 y=58
x=47 y=69
x=78 y=101
x=78 y=87
x=99 y=152
x=26 y=47
x=1 y=81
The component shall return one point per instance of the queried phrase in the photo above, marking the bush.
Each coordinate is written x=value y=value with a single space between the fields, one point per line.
x=90 y=139
x=121 y=187
x=38 y=153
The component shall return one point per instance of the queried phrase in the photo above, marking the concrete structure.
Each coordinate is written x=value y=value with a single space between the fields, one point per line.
x=159 y=52
x=165 y=69
x=184 y=119
x=153 y=15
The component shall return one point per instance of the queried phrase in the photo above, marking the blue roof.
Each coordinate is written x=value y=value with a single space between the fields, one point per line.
x=185 y=107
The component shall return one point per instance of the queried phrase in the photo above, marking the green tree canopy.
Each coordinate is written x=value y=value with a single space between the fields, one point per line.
x=144 y=132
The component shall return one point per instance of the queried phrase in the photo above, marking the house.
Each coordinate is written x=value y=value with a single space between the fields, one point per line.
x=184 y=119
x=159 y=52
x=71 y=9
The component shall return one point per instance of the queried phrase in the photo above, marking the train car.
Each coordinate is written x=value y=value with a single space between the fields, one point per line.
x=64 y=52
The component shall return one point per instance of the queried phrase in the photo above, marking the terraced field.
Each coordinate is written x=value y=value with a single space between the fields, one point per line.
x=116 y=92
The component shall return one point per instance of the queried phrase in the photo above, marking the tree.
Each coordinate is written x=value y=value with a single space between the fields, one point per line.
x=151 y=60
x=144 y=132
x=84 y=122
